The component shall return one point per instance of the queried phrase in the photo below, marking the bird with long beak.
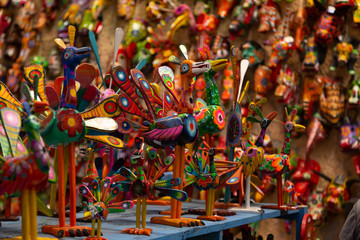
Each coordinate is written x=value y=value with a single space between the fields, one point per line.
x=188 y=69
x=280 y=163
x=209 y=116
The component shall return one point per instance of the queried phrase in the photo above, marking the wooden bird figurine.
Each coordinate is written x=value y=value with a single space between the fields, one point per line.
x=68 y=122
x=204 y=173
x=143 y=186
x=280 y=163
x=99 y=193
x=26 y=169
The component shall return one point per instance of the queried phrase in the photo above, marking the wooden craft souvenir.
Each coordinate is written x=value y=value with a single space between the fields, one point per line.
x=304 y=178
x=5 y=22
x=280 y=163
x=158 y=130
x=162 y=45
x=243 y=16
x=356 y=161
x=353 y=92
x=312 y=89
x=253 y=153
x=206 y=25
x=349 y=135
x=143 y=186
x=332 y=102
x=288 y=86
x=207 y=173
x=67 y=125
x=307 y=227
x=155 y=10
x=263 y=81
x=125 y=8
x=253 y=52
x=32 y=170
x=336 y=193
x=224 y=7
x=329 y=26
x=188 y=70
x=50 y=9
x=234 y=129
x=316 y=207
x=356 y=14
x=99 y=190
x=269 y=17
x=313 y=56
x=98 y=203
x=209 y=115
x=228 y=84
x=345 y=54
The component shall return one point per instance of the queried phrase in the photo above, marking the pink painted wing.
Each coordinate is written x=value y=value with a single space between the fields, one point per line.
x=167 y=129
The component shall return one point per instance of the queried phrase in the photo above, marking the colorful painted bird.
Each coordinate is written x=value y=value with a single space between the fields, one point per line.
x=280 y=163
x=26 y=169
x=147 y=186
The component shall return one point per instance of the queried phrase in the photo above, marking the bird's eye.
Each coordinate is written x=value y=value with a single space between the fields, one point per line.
x=288 y=126
x=67 y=54
x=185 y=68
x=264 y=122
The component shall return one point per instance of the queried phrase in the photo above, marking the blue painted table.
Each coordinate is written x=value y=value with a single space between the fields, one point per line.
x=111 y=228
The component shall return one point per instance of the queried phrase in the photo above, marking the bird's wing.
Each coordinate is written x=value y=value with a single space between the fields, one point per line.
x=167 y=183
x=173 y=193
x=167 y=129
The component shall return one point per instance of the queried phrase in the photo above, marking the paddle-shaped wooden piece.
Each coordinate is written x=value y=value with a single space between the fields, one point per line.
x=167 y=79
x=244 y=64
x=36 y=71
x=96 y=52
x=119 y=33
x=11 y=122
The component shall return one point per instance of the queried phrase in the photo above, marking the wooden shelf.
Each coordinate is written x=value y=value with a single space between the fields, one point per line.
x=111 y=228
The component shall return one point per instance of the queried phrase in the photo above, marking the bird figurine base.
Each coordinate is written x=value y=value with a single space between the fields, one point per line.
x=202 y=212
x=213 y=218
x=138 y=231
x=168 y=213
x=158 y=202
x=20 y=238
x=66 y=231
x=177 y=222
x=248 y=209
x=95 y=238
x=9 y=219
x=282 y=208
x=221 y=205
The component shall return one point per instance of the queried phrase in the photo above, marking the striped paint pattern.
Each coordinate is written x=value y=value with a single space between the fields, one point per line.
x=106 y=108
x=6 y=94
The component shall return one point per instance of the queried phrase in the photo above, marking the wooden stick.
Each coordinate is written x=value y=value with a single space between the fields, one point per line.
x=8 y=207
x=138 y=210
x=99 y=228
x=72 y=182
x=210 y=205
x=33 y=215
x=93 y=228
x=247 y=192
x=53 y=186
x=279 y=189
x=176 y=165
x=25 y=212
x=211 y=192
x=66 y=166
x=111 y=157
x=143 y=220
x=181 y=176
x=61 y=187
